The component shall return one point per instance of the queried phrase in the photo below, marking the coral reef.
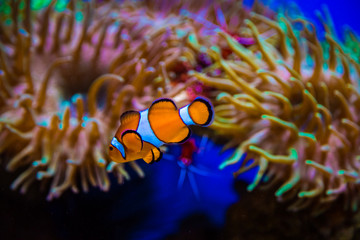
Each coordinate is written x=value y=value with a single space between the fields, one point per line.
x=295 y=116
x=282 y=97
x=54 y=126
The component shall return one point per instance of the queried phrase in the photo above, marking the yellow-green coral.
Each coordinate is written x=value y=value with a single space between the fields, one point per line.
x=279 y=95
x=298 y=121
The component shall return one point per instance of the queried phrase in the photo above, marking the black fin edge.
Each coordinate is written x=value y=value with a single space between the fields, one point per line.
x=210 y=109
x=128 y=112
x=163 y=100
x=160 y=156
x=187 y=137
x=153 y=157
x=132 y=131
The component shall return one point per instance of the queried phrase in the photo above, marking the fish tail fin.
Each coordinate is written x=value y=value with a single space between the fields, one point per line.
x=200 y=112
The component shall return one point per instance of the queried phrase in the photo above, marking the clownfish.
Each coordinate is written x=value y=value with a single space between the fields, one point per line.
x=140 y=134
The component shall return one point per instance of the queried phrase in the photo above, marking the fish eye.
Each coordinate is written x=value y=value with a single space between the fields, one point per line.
x=111 y=148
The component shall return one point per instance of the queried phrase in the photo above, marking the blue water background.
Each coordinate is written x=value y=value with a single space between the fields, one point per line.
x=343 y=13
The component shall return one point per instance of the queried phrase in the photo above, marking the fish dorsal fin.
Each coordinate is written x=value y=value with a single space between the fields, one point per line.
x=149 y=158
x=129 y=117
x=132 y=140
x=163 y=103
x=157 y=154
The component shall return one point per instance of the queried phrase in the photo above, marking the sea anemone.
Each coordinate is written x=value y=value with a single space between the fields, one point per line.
x=282 y=97
x=290 y=107
x=54 y=125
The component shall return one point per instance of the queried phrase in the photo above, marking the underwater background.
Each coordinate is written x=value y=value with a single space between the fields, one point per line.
x=171 y=199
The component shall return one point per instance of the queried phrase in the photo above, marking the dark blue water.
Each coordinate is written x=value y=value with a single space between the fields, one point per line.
x=345 y=12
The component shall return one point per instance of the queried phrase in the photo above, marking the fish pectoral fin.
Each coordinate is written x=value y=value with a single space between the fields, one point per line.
x=157 y=154
x=129 y=116
x=150 y=157
x=132 y=140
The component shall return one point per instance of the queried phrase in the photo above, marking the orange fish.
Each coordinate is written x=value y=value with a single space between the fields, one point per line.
x=142 y=133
